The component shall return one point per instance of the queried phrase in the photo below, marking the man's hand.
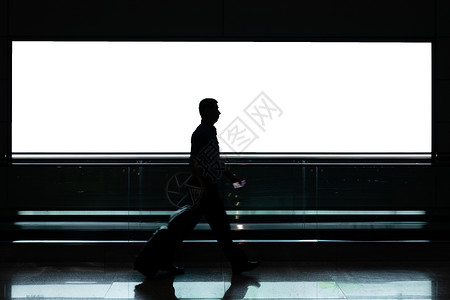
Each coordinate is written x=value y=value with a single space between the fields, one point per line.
x=235 y=179
x=232 y=177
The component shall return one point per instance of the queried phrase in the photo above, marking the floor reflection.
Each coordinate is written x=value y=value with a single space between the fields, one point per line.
x=274 y=282
x=243 y=288
x=166 y=288
x=158 y=288
x=240 y=285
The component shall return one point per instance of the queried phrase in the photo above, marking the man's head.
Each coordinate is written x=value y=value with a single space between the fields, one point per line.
x=209 y=111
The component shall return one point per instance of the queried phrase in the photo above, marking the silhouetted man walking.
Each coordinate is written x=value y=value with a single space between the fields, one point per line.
x=207 y=168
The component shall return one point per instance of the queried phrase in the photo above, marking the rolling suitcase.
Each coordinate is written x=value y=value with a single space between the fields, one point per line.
x=158 y=252
x=154 y=256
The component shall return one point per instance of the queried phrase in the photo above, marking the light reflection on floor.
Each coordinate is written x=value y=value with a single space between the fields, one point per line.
x=217 y=290
x=216 y=282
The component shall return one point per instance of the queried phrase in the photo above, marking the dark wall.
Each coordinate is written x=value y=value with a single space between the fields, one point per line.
x=309 y=20
x=228 y=18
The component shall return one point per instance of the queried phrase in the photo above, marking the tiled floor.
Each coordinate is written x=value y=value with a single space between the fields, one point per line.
x=272 y=280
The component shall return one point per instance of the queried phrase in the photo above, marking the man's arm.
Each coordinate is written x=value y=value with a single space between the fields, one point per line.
x=229 y=174
x=195 y=169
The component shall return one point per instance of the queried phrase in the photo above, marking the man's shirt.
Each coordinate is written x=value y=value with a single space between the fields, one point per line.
x=205 y=151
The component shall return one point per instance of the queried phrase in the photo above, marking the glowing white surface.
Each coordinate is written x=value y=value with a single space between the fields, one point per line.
x=143 y=96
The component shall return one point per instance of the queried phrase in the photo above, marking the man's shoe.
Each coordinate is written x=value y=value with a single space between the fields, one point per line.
x=244 y=267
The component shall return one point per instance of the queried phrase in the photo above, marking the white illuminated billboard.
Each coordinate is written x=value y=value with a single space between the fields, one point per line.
x=273 y=96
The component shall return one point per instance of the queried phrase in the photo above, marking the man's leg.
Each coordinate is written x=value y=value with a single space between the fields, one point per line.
x=218 y=220
x=183 y=221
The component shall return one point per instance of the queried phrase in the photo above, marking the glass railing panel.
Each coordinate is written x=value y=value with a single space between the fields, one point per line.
x=268 y=188
x=65 y=187
x=133 y=198
x=375 y=187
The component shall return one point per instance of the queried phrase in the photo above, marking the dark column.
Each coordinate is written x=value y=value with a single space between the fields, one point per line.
x=5 y=103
